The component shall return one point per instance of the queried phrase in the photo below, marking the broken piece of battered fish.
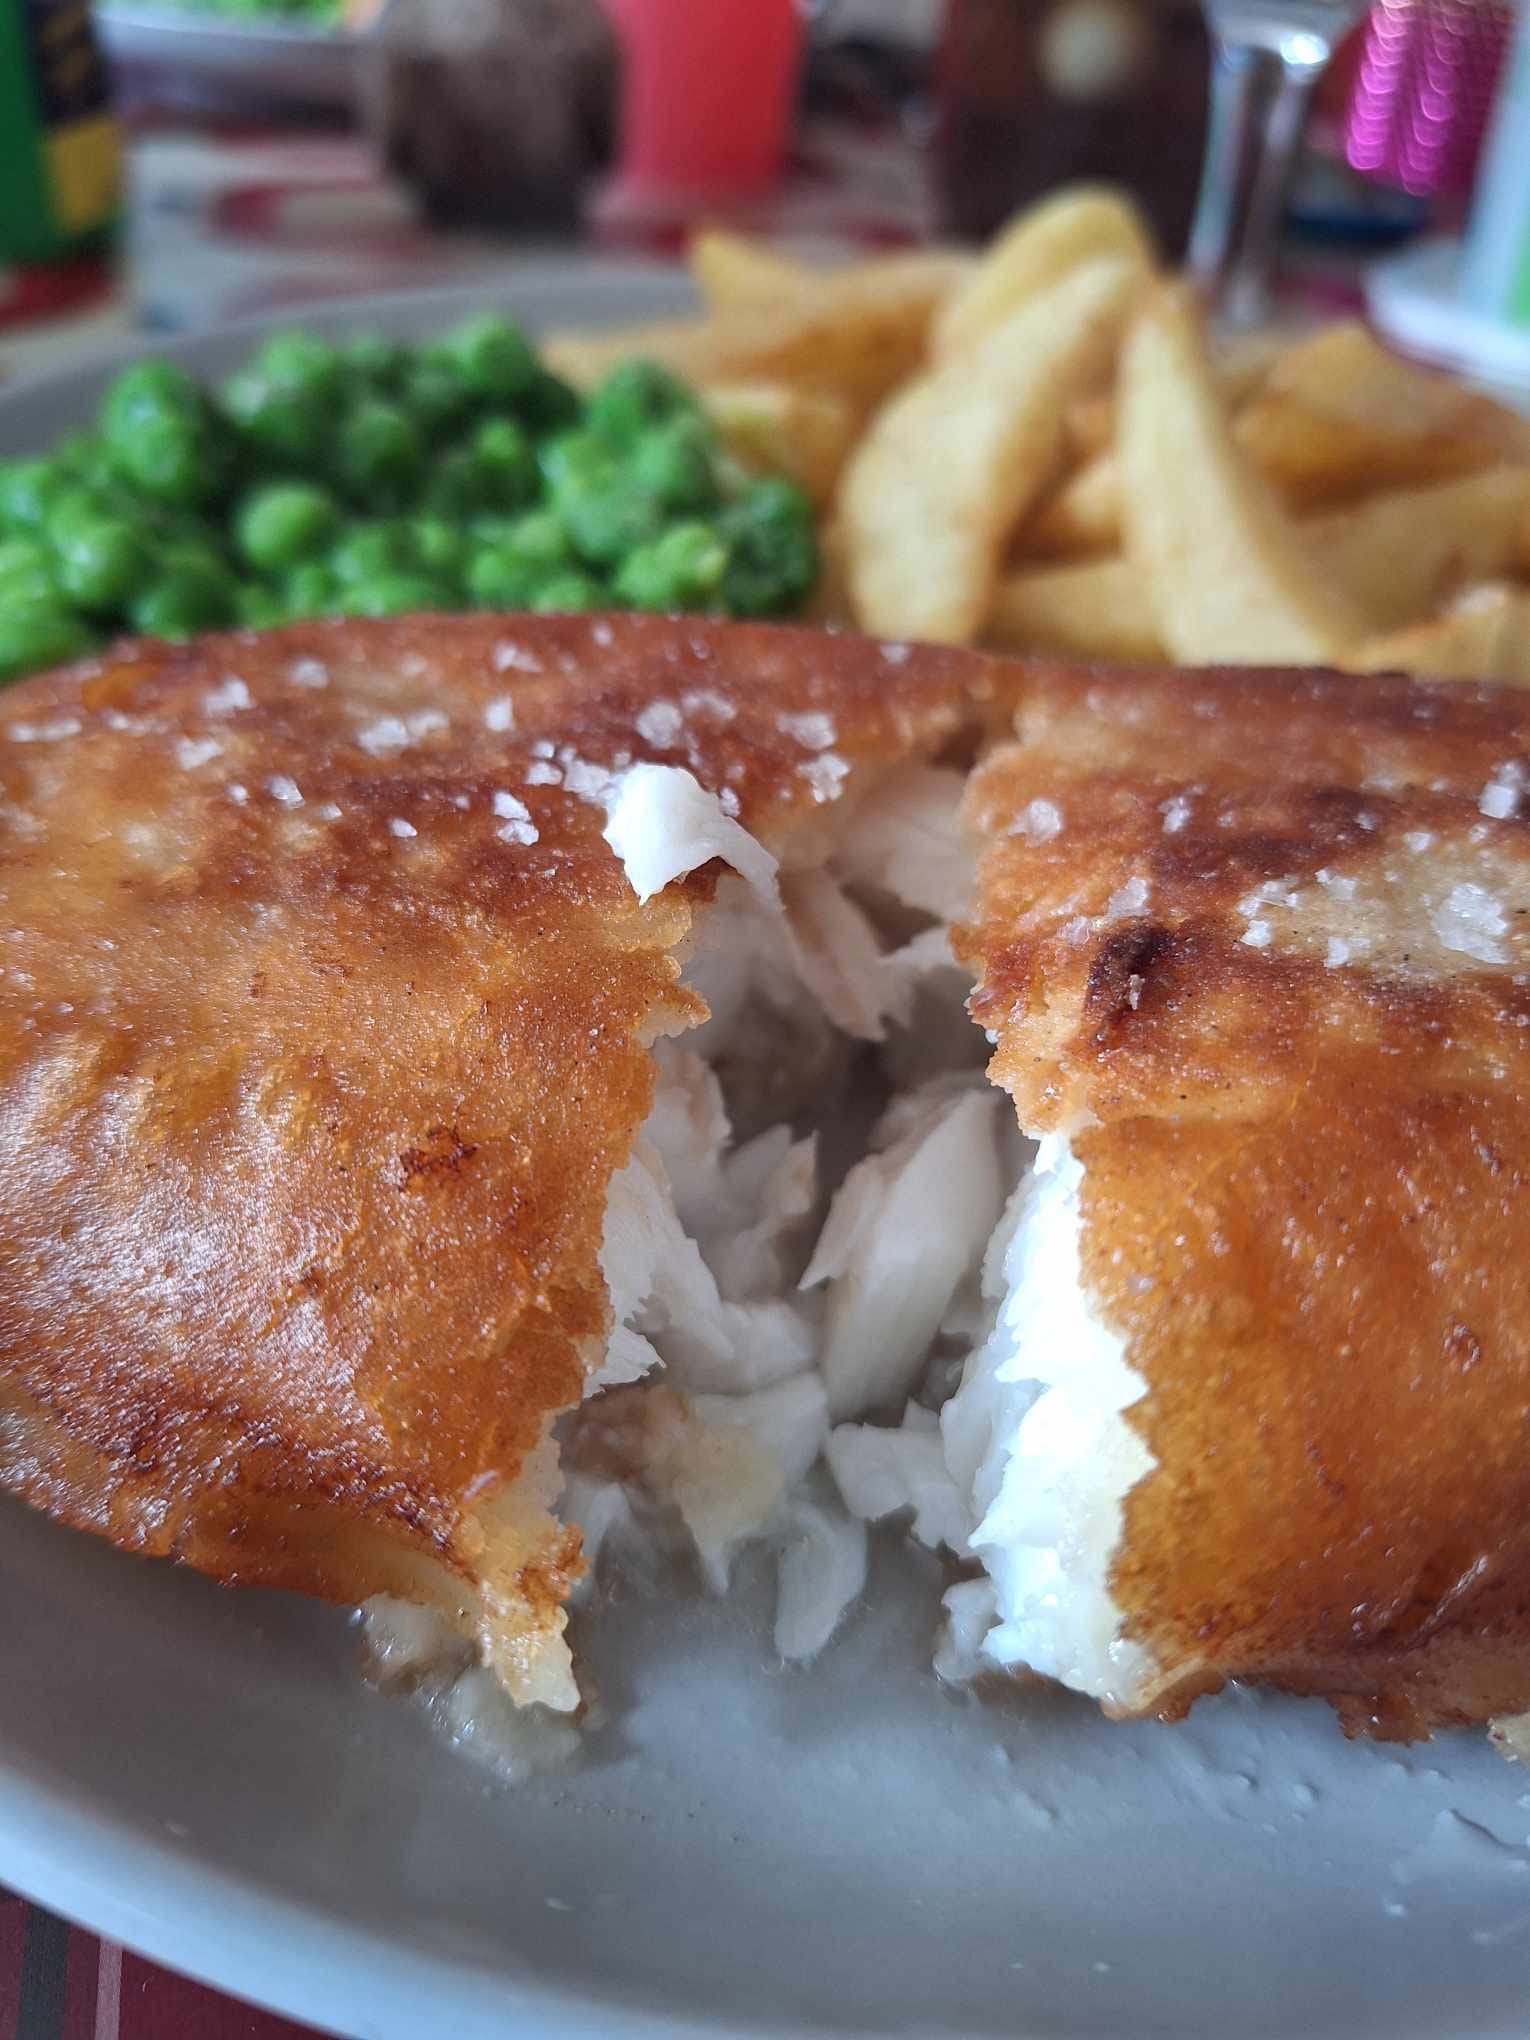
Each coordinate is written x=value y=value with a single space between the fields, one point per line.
x=324 y=1026
x=1255 y=952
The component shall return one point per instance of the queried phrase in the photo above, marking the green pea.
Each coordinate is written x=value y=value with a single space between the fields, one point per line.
x=681 y=569
x=604 y=514
x=571 y=457
x=285 y=428
x=606 y=524
x=367 y=552
x=568 y=594
x=435 y=399
x=301 y=361
x=374 y=358
x=549 y=404
x=493 y=358
x=277 y=526
x=258 y=607
x=395 y=595
x=171 y=529
x=148 y=389
x=27 y=568
x=773 y=557
x=28 y=490
x=34 y=634
x=634 y=396
x=161 y=436
x=191 y=592
x=507 y=461
x=167 y=456
x=310 y=589
x=378 y=454
x=461 y=483
x=539 y=539
x=496 y=579
x=439 y=546
x=91 y=476
x=101 y=561
x=81 y=455
x=674 y=462
x=76 y=503
x=198 y=547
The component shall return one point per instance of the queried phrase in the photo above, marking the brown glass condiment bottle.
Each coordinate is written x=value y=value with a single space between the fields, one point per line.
x=1033 y=94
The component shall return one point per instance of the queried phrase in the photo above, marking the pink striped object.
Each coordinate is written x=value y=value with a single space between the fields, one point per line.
x=1423 y=91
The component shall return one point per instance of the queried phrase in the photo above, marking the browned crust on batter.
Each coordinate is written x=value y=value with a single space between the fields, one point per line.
x=312 y=1083
x=1307 y=1172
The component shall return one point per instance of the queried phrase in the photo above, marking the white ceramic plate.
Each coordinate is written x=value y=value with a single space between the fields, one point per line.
x=843 y=1850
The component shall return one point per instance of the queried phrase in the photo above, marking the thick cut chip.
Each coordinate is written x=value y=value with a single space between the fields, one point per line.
x=1341 y=415
x=739 y=269
x=1091 y=425
x=952 y=463
x=1483 y=635
x=1334 y=417
x=1399 y=554
x=1097 y=609
x=1244 y=363
x=1229 y=574
x=1037 y=251
x=1255 y=949
x=804 y=434
x=1395 y=555
x=323 y=1033
x=859 y=332
x=1084 y=515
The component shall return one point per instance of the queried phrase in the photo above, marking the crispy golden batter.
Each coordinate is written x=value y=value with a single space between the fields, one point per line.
x=321 y=1026
x=1262 y=943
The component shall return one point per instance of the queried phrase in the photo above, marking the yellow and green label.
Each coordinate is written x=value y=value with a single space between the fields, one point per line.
x=59 y=145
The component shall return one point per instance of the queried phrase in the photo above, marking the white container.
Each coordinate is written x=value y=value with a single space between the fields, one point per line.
x=1495 y=269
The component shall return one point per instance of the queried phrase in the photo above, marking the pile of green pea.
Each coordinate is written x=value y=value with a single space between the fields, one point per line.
x=368 y=478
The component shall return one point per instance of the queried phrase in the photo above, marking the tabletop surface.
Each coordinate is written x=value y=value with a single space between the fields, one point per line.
x=59 y=1983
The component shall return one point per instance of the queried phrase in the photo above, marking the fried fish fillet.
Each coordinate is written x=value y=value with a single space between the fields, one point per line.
x=323 y=1023
x=1254 y=949
x=344 y=1155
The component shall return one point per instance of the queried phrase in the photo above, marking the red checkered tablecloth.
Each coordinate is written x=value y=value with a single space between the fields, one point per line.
x=59 y=1983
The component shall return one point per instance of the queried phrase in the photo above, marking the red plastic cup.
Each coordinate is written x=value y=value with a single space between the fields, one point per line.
x=708 y=88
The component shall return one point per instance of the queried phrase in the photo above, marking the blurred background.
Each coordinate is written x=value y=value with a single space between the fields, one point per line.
x=179 y=165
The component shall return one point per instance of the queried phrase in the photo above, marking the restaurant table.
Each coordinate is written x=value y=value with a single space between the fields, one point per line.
x=232 y=221
x=59 y=1983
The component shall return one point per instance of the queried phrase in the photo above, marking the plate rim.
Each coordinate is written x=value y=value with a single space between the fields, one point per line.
x=222 y=1930
x=547 y=275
